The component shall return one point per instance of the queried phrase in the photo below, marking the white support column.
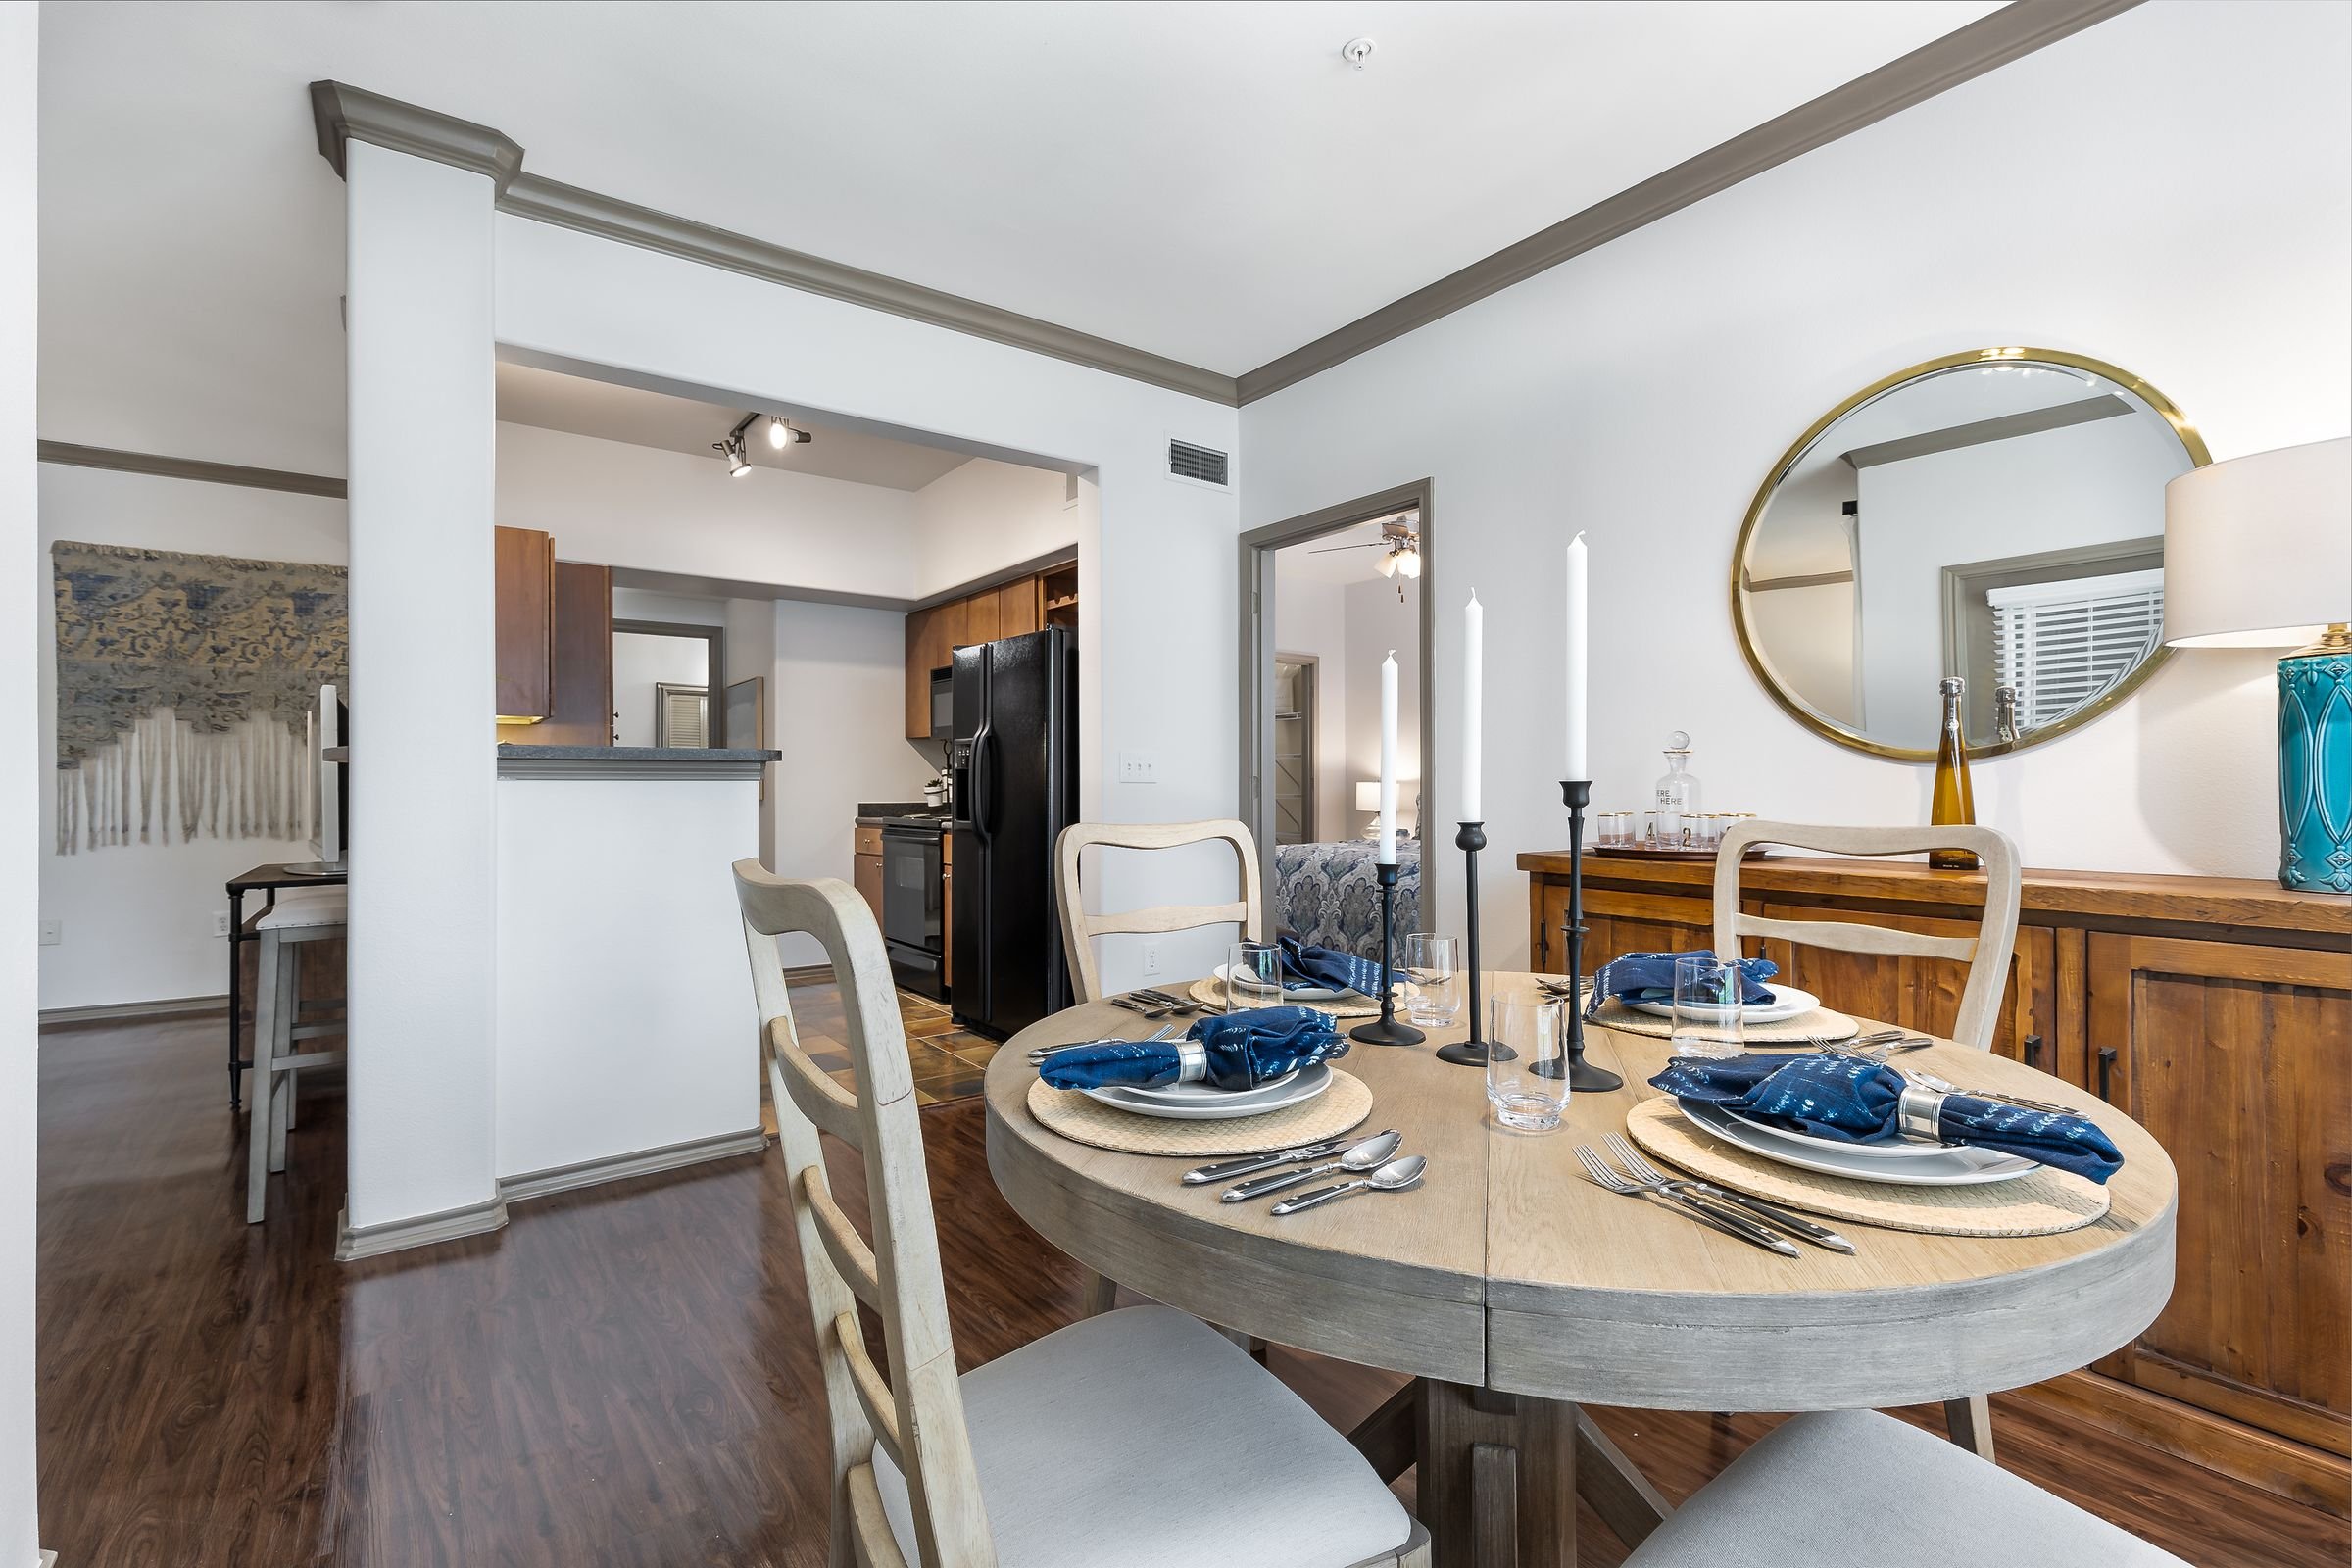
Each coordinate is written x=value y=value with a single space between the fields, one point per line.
x=423 y=932
x=23 y=769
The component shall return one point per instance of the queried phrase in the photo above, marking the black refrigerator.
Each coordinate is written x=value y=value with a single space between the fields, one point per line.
x=1015 y=760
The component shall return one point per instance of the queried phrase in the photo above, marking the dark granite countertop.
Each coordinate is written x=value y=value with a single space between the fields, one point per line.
x=868 y=816
x=639 y=754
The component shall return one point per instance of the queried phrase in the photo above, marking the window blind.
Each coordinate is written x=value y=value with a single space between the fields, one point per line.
x=2064 y=644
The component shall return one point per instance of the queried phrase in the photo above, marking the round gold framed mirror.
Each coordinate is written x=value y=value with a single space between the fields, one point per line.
x=1996 y=514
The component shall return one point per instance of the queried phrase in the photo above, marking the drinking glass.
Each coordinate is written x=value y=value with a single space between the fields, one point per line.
x=1536 y=1031
x=1433 y=988
x=1649 y=830
x=1707 y=1010
x=1252 y=975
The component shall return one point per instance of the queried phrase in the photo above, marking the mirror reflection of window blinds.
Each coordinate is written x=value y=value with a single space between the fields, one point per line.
x=683 y=711
x=2066 y=642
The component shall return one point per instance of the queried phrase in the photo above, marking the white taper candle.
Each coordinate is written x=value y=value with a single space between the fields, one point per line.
x=1474 y=662
x=1576 y=615
x=1387 y=760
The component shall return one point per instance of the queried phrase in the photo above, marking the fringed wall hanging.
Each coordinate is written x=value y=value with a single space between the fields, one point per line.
x=186 y=686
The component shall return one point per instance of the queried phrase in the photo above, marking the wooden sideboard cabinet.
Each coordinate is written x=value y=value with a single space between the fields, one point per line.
x=2216 y=1012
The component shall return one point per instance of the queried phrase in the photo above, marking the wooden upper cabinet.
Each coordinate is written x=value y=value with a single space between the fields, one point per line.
x=918 y=675
x=981 y=622
x=2236 y=1057
x=580 y=677
x=1020 y=608
x=525 y=576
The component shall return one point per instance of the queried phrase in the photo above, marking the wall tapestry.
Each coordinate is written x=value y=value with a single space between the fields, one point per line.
x=186 y=686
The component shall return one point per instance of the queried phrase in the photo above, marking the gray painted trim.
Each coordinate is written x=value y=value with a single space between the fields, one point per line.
x=598 y=771
x=569 y=207
x=2001 y=427
x=339 y=113
x=118 y=461
x=1991 y=41
x=620 y=1167
x=397 y=1236
x=1254 y=793
x=161 y=1007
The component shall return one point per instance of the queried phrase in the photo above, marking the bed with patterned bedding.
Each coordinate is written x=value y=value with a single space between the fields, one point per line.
x=1330 y=895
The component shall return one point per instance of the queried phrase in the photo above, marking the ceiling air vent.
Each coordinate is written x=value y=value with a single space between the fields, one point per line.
x=1200 y=464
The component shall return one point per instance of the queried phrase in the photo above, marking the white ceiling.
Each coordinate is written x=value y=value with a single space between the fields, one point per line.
x=1208 y=181
x=553 y=400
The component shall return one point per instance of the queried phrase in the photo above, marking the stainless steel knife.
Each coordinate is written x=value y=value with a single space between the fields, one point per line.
x=1243 y=1168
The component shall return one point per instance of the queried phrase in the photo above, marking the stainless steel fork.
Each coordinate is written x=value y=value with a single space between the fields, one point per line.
x=1603 y=1174
x=1748 y=1203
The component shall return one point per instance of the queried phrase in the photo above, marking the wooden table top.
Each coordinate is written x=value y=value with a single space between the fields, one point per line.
x=1507 y=1269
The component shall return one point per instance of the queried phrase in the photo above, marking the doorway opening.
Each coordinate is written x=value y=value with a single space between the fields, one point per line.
x=661 y=680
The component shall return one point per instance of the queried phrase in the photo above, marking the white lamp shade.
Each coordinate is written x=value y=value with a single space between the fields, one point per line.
x=2258 y=550
x=1367 y=795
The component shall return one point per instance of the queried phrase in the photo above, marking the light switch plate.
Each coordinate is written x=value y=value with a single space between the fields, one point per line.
x=1150 y=957
x=220 y=922
x=1139 y=768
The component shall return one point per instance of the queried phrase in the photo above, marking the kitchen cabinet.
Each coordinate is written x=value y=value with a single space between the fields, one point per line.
x=866 y=867
x=580 y=670
x=931 y=636
x=1021 y=608
x=2216 y=1012
x=524 y=578
x=1011 y=609
x=983 y=620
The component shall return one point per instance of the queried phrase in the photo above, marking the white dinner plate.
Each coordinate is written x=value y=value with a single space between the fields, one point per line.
x=1303 y=994
x=1219 y=1105
x=1200 y=1094
x=1900 y=1150
x=1788 y=1002
x=1943 y=1167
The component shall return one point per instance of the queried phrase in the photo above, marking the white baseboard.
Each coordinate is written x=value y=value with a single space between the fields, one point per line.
x=162 y=1008
x=398 y=1236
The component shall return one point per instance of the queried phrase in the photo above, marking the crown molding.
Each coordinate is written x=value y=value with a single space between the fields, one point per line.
x=570 y=207
x=118 y=461
x=1991 y=41
x=343 y=113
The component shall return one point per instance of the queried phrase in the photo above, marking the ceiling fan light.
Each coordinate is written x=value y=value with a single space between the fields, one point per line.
x=1387 y=565
x=1408 y=562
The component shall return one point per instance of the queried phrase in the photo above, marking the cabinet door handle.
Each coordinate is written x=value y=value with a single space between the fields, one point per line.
x=2107 y=1073
x=2032 y=1051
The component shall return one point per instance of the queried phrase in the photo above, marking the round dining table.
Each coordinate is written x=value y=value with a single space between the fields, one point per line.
x=1512 y=1291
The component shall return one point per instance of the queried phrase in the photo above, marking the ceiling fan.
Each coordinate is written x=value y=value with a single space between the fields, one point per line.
x=1401 y=549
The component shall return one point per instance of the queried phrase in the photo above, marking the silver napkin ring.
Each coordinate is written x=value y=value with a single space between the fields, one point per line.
x=1192 y=1061
x=1919 y=1114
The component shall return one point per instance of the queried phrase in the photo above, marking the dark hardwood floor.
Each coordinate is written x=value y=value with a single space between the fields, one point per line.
x=623 y=1376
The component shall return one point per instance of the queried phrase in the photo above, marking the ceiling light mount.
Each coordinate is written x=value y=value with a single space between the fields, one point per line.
x=782 y=434
x=1355 y=51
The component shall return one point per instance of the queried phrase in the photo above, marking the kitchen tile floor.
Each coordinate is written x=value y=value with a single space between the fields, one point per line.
x=948 y=1061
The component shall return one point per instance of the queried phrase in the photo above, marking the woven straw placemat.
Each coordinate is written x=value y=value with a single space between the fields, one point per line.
x=1211 y=990
x=1805 y=1029
x=1068 y=1111
x=2043 y=1203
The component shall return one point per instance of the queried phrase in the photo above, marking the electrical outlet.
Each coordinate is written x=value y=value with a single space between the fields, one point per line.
x=52 y=933
x=1139 y=768
x=1150 y=957
x=220 y=922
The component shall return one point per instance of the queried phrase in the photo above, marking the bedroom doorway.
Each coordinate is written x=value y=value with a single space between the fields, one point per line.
x=1325 y=597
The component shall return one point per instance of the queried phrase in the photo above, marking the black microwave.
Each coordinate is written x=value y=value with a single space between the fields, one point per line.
x=942 y=704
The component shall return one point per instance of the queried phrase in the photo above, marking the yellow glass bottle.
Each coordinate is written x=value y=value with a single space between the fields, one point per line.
x=1953 y=802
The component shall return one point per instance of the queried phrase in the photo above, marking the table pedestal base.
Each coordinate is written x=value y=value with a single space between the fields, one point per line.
x=1497 y=1474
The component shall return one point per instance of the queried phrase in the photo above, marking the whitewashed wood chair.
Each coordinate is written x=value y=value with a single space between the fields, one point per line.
x=1079 y=928
x=1139 y=1438
x=297 y=915
x=1987 y=954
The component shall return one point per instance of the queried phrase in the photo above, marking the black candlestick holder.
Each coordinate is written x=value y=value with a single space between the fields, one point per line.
x=1477 y=1049
x=1580 y=1073
x=1385 y=1030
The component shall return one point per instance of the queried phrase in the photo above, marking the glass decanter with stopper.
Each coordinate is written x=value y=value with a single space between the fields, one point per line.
x=1676 y=795
x=1954 y=804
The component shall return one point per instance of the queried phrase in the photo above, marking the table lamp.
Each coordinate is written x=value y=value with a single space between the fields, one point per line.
x=1367 y=801
x=2258 y=554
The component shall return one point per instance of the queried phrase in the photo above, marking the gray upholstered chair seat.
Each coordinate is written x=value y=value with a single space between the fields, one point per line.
x=1145 y=1438
x=1854 y=1489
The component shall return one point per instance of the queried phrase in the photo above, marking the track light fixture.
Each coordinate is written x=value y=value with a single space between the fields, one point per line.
x=735 y=450
x=780 y=434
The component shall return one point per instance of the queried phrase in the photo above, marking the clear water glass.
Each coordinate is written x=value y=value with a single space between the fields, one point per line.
x=1708 y=1016
x=1252 y=976
x=1433 y=984
x=1536 y=1031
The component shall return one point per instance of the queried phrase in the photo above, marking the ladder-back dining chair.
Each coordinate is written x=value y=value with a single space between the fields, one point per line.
x=1079 y=928
x=1987 y=954
x=1139 y=1436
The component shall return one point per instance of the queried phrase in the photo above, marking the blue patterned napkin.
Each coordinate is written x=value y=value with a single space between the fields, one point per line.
x=1649 y=977
x=1328 y=968
x=1853 y=1101
x=1242 y=1049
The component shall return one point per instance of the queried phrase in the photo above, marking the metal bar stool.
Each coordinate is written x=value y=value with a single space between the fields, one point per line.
x=308 y=915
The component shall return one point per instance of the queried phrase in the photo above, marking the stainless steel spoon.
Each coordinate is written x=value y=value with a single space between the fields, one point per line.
x=1393 y=1177
x=1375 y=1151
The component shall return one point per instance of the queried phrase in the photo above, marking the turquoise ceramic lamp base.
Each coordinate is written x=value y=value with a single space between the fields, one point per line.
x=2315 y=767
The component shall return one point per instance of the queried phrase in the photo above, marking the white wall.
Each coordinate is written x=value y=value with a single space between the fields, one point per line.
x=424 y=883
x=641 y=506
x=21 y=775
x=1310 y=616
x=138 y=918
x=987 y=515
x=1377 y=624
x=640 y=660
x=2189 y=219
x=1157 y=623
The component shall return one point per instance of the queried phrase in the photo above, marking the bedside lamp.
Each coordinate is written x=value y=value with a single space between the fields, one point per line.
x=2258 y=554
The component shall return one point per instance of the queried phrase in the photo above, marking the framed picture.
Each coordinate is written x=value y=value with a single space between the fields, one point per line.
x=745 y=719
